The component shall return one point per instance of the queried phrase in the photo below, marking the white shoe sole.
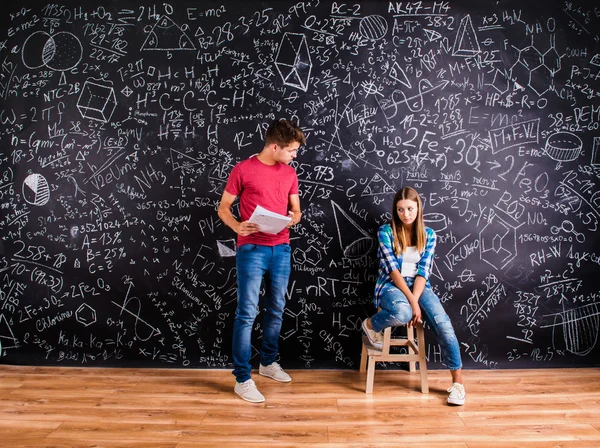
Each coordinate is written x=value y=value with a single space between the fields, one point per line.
x=273 y=378
x=374 y=344
x=247 y=399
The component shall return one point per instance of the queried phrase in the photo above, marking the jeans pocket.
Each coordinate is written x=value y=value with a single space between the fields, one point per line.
x=246 y=247
x=286 y=247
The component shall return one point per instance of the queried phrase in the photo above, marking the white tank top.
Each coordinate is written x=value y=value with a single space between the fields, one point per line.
x=410 y=258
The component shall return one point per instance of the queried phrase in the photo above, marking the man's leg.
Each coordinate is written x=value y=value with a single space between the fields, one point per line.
x=276 y=283
x=251 y=262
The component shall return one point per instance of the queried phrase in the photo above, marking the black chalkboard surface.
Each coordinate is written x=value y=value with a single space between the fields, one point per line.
x=120 y=122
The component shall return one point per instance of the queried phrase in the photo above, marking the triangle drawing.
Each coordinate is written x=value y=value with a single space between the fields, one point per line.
x=167 y=35
x=355 y=242
x=377 y=185
x=7 y=338
x=182 y=161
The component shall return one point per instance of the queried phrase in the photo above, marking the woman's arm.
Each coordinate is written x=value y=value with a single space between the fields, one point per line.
x=410 y=295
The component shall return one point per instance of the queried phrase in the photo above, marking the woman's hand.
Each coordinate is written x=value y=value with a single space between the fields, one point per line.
x=416 y=317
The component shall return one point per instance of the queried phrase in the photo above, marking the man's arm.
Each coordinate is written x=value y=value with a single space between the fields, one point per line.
x=295 y=212
x=244 y=228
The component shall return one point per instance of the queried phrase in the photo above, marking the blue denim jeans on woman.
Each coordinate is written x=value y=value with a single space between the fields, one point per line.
x=396 y=311
x=253 y=263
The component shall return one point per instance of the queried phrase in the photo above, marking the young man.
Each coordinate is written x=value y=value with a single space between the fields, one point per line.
x=264 y=179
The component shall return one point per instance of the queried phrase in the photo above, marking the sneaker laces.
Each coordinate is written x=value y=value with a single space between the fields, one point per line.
x=456 y=387
x=275 y=366
x=247 y=385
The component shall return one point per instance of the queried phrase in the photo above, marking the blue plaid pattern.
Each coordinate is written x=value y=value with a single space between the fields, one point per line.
x=388 y=260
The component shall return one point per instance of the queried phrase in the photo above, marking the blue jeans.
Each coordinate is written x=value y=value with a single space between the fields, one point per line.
x=253 y=263
x=396 y=310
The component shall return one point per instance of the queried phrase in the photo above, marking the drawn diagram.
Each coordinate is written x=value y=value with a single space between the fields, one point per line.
x=291 y=328
x=293 y=61
x=36 y=190
x=413 y=102
x=498 y=242
x=61 y=51
x=7 y=338
x=166 y=35
x=227 y=248
x=354 y=241
x=97 y=101
x=563 y=147
x=311 y=256
x=499 y=82
x=373 y=27
x=377 y=186
x=398 y=73
x=183 y=162
x=466 y=43
x=534 y=68
x=437 y=221
x=579 y=327
x=85 y=315
x=151 y=331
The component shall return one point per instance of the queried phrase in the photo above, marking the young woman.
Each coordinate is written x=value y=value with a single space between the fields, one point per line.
x=403 y=291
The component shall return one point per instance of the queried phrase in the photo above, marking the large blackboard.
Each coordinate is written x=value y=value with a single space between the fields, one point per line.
x=120 y=122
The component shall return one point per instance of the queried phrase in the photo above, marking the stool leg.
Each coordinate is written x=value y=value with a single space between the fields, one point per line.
x=411 y=337
x=422 y=359
x=363 y=359
x=370 y=375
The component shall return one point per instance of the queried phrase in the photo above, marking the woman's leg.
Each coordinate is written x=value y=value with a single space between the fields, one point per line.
x=438 y=320
x=395 y=310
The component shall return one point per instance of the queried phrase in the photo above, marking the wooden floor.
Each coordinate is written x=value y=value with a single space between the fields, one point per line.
x=90 y=407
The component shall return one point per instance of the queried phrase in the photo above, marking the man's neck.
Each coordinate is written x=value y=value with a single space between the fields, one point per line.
x=266 y=156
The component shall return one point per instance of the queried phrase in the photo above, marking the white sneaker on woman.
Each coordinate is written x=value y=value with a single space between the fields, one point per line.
x=457 y=394
x=375 y=339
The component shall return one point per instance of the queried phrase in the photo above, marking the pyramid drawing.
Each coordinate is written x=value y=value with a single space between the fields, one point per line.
x=167 y=35
x=466 y=43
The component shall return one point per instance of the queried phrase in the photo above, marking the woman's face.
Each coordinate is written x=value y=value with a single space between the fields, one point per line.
x=407 y=211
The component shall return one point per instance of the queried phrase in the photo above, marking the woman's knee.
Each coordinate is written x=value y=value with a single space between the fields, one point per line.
x=401 y=313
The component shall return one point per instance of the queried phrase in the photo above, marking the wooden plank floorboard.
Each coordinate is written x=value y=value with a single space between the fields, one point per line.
x=178 y=408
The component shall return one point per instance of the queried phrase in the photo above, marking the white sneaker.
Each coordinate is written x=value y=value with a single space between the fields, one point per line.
x=248 y=391
x=457 y=394
x=274 y=371
x=376 y=339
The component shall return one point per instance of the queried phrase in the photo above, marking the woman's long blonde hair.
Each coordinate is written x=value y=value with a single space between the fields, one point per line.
x=399 y=231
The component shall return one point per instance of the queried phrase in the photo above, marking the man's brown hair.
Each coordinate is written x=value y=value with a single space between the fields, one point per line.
x=284 y=132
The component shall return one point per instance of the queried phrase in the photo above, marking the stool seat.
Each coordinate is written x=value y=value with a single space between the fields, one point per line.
x=416 y=353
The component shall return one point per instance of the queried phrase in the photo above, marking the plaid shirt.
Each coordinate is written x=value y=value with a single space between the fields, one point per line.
x=388 y=260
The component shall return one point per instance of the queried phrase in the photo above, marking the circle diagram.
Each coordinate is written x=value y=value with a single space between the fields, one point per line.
x=36 y=190
x=61 y=51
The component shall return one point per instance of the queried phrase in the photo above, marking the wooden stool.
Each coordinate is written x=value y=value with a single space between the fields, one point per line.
x=416 y=353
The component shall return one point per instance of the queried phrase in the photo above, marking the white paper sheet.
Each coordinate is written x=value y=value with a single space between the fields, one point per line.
x=268 y=221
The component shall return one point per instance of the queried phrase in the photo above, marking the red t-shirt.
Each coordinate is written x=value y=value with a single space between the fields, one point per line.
x=268 y=185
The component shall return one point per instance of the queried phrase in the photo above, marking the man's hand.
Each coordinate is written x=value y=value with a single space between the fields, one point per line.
x=293 y=222
x=246 y=228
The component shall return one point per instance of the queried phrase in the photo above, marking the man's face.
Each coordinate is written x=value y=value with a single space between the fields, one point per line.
x=285 y=154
